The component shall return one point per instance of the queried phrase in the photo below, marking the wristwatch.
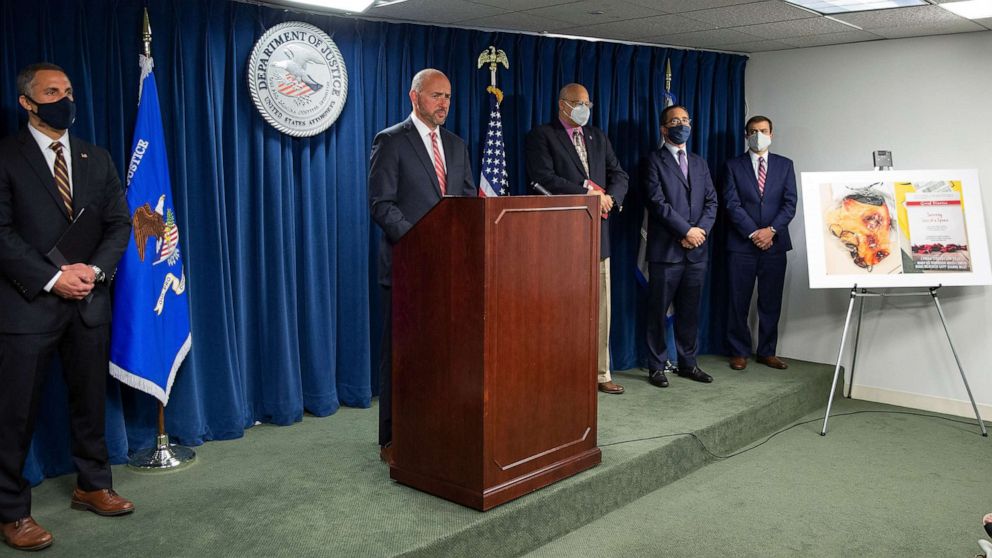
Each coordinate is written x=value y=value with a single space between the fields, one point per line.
x=100 y=275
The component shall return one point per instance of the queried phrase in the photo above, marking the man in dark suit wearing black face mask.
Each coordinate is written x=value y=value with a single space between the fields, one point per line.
x=46 y=179
x=682 y=206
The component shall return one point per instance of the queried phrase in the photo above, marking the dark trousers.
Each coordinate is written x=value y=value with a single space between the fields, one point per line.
x=386 y=370
x=743 y=270
x=679 y=285
x=24 y=362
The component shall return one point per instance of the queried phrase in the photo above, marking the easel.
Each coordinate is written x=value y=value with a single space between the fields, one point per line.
x=865 y=293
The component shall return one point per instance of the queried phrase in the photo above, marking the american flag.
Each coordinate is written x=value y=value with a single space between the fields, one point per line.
x=494 y=176
x=292 y=87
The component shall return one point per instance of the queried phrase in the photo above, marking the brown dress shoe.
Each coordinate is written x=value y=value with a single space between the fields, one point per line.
x=738 y=362
x=386 y=454
x=611 y=388
x=773 y=362
x=101 y=502
x=25 y=534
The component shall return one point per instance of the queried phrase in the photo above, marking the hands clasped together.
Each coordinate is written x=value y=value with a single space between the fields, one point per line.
x=76 y=282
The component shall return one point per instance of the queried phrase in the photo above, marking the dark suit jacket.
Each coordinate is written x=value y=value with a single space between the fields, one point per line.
x=553 y=163
x=748 y=211
x=403 y=184
x=33 y=218
x=675 y=205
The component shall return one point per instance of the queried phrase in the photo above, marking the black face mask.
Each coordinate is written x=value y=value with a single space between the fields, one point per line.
x=59 y=115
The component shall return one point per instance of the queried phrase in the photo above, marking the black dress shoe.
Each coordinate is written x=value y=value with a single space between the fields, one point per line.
x=696 y=374
x=658 y=378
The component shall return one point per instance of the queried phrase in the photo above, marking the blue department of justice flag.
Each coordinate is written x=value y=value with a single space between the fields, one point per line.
x=493 y=181
x=150 y=331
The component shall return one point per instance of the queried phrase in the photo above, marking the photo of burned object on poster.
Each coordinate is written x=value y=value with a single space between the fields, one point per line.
x=861 y=223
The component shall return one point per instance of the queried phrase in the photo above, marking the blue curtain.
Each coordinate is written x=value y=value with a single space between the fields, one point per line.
x=275 y=231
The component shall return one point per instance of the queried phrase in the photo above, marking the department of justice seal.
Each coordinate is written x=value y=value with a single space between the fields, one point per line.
x=297 y=79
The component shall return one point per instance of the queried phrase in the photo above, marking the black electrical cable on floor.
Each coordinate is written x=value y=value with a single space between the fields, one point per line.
x=786 y=429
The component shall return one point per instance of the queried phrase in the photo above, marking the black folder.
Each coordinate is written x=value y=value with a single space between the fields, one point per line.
x=78 y=243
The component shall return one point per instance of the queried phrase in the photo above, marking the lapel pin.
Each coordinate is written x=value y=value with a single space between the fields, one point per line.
x=83 y=155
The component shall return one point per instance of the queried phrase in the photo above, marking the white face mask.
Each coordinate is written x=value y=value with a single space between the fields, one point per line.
x=579 y=114
x=758 y=142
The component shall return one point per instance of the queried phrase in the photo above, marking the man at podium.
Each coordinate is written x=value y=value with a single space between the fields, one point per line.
x=569 y=156
x=413 y=165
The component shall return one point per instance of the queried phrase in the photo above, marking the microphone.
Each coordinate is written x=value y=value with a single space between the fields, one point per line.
x=540 y=189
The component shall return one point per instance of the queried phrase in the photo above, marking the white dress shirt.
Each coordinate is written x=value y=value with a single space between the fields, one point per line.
x=754 y=162
x=674 y=150
x=45 y=144
x=425 y=134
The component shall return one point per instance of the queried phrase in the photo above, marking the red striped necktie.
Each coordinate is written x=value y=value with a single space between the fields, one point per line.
x=761 y=175
x=61 y=172
x=442 y=175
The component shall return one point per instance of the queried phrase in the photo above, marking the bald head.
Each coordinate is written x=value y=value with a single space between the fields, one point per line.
x=572 y=91
x=424 y=76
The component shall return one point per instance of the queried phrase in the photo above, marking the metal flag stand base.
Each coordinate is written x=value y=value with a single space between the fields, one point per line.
x=864 y=293
x=164 y=456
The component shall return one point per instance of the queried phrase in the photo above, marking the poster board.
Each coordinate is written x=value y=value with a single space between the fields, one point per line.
x=912 y=228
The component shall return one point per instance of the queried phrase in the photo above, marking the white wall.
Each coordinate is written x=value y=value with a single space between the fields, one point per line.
x=929 y=101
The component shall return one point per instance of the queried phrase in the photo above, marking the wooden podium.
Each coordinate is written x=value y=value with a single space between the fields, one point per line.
x=495 y=321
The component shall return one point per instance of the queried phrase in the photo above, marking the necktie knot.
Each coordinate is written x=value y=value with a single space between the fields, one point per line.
x=56 y=146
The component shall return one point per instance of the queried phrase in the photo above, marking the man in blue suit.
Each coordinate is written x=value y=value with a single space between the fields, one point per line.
x=759 y=194
x=413 y=165
x=682 y=206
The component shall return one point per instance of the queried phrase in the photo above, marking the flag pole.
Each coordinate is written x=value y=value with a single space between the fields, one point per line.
x=164 y=456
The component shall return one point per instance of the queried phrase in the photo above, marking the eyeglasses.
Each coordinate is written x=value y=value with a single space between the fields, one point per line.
x=677 y=121
x=587 y=104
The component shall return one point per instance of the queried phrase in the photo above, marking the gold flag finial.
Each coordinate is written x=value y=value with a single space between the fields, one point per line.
x=146 y=35
x=493 y=57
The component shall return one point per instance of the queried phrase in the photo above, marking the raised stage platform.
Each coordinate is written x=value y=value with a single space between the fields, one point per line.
x=318 y=488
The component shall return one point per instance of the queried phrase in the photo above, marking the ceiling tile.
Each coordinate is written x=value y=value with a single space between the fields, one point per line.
x=795 y=28
x=852 y=36
x=430 y=11
x=756 y=46
x=516 y=22
x=578 y=13
x=679 y=6
x=943 y=28
x=899 y=17
x=640 y=28
x=750 y=14
x=705 y=39
x=513 y=5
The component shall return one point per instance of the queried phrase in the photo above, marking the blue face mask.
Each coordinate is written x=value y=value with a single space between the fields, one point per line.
x=679 y=134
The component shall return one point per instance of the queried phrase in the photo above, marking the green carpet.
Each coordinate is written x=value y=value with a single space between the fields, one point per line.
x=877 y=485
x=318 y=489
